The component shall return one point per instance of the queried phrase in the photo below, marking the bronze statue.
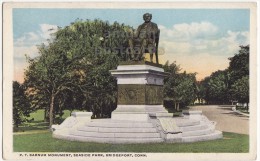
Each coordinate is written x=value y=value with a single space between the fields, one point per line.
x=145 y=39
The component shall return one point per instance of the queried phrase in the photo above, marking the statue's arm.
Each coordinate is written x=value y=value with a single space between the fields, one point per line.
x=156 y=27
x=156 y=33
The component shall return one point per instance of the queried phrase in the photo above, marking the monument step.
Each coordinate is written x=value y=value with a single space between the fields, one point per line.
x=194 y=128
x=186 y=122
x=215 y=135
x=114 y=140
x=156 y=109
x=115 y=135
x=197 y=132
x=109 y=140
x=117 y=130
x=109 y=120
x=120 y=125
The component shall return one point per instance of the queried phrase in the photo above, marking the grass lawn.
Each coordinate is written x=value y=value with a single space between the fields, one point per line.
x=43 y=142
x=39 y=115
x=38 y=122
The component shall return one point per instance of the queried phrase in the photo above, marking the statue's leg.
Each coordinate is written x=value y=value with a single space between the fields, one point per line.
x=151 y=57
x=151 y=51
x=141 y=53
x=143 y=49
x=156 y=56
x=132 y=52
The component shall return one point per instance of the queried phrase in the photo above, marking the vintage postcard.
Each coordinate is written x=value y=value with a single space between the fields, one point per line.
x=129 y=81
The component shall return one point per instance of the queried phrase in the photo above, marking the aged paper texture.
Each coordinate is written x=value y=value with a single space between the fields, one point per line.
x=198 y=36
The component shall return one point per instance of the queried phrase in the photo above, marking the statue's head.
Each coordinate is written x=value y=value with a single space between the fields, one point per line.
x=147 y=17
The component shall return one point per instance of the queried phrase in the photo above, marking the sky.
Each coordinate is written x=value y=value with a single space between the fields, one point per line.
x=199 y=40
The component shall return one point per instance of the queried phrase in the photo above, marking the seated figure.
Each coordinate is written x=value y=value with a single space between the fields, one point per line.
x=145 y=39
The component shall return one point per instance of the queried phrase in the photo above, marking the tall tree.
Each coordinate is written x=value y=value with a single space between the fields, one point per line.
x=217 y=88
x=179 y=87
x=239 y=64
x=21 y=105
x=170 y=83
x=239 y=75
x=74 y=67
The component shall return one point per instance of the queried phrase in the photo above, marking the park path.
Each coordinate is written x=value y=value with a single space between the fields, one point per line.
x=227 y=120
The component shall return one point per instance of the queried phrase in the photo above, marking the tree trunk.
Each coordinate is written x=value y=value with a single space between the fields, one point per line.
x=51 y=110
x=178 y=107
x=46 y=115
x=175 y=106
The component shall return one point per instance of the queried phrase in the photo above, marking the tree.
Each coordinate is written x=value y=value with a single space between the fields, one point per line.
x=169 y=83
x=51 y=76
x=240 y=90
x=239 y=64
x=220 y=87
x=179 y=87
x=74 y=67
x=186 y=89
x=21 y=105
x=239 y=75
x=202 y=90
x=217 y=87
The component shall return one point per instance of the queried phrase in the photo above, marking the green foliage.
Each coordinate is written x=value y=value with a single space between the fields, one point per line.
x=231 y=84
x=218 y=88
x=202 y=90
x=240 y=90
x=21 y=105
x=239 y=75
x=231 y=143
x=239 y=64
x=187 y=88
x=180 y=88
x=72 y=71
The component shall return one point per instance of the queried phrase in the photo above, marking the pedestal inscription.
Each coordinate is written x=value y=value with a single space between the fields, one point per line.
x=140 y=94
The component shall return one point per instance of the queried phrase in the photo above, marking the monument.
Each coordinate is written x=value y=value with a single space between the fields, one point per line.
x=145 y=39
x=140 y=116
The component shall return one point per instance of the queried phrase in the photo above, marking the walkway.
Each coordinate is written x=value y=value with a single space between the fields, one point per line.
x=227 y=120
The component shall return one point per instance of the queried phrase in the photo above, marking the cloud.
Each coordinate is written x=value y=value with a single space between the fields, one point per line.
x=27 y=44
x=186 y=32
x=47 y=30
x=200 y=47
x=27 y=39
x=203 y=37
x=20 y=51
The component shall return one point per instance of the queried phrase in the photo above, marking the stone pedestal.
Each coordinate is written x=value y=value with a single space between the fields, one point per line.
x=140 y=116
x=140 y=91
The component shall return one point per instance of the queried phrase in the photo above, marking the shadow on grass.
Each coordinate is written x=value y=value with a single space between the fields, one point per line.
x=44 y=142
x=34 y=125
